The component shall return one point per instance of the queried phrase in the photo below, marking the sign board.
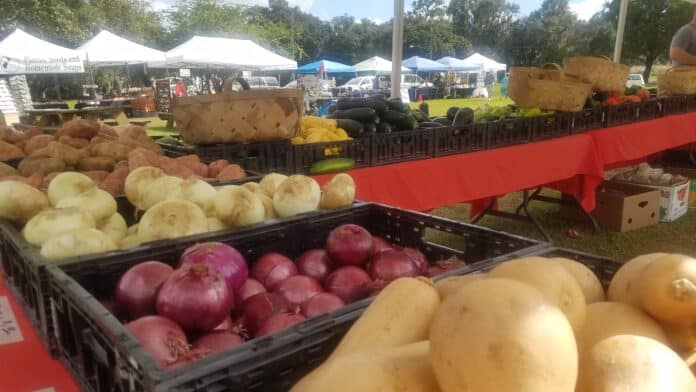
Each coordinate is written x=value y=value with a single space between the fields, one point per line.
x=184 y=72
x=9 y=329
x=39 y=65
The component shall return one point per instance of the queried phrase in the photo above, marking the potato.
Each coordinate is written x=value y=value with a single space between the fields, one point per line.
x=7 y=170
x=114 y=150
x=589 y=283
x=10 y=151
x=68 y=184
x=43 y=166
x=681 y=336
x=114 y=227
x=96 y=163
x=20 y=202
x=172 y=219
x=622 y=288
x=70 y=155
x=137 y=182
x=37 y=142
x=53 y=221
x=73 y=142
x=96 y=201
x=633 y=363
x=667 y=289
x=76 y=242
x=498 y=334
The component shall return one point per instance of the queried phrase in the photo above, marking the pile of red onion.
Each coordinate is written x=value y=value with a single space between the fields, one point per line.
x=213 y=301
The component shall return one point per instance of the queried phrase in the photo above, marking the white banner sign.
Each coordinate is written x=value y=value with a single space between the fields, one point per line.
x=39 y=65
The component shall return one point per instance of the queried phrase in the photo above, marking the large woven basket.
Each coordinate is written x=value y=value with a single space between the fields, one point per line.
x=548 y=88
x=239 y=116
x=520 y=76
x=677 y=81
x=602 y=73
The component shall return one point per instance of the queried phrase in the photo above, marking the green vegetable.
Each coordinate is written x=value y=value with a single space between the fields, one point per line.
x=369 y=128
x=396 y=104
x=379 y=105
x=400 y=121
x=442 y=120
x=332 y=165
x=169 y=140
x=353 y=128
x=357 y=114
x=384 y=127
x=332 y=108
x=464 y=116
x=428 y=124
x=451 y=112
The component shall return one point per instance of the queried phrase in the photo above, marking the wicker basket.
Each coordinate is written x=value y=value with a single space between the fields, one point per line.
x=548 y=88
x=677 y=81
x=520 y=76
x=602 y=73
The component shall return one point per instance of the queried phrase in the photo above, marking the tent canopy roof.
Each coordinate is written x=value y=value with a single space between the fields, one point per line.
x=456 y=64
x=214 y=52
x=325 y=66
x=107 y=49
x=485 y=62
x=422 y=64
x=375 y=64
x=21 y=52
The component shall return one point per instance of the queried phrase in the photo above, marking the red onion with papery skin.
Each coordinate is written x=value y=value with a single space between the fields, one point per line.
x=217 y=341
x=392 y=264
x=259 y=307
x=191 y=356
x=442 y=266
x=350 y=245
x=196 y=297
x=226 y=260
x=225 y=325
x=314 y=263
x=320 y=304
x=277 y=322
x=136 y=291
x=380 y=245
x=162 y=338
x=250 y=288
x=239 y=326
x=297 y=289
x=418 y=258
x=272 y=269
x=348 y=283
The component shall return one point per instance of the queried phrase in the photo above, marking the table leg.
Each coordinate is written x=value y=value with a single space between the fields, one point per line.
x=692 y=153
x=120 y=117
x=527 y=217
x=575 y=202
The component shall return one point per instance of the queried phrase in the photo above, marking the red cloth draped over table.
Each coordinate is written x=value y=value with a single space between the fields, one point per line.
x=568 y=164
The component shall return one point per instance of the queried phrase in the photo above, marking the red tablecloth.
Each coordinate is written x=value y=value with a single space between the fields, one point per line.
x=568 y=164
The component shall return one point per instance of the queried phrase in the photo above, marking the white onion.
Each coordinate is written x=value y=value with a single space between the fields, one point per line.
x=201 y=193
x=76 y=242
x=215 y=224
x=129 y=241
x=270 y=182
x=269 y=210
x=338 y=193
x=161 y=189
x=138 y=181
x=53 y=221
x=68 y=184
x=19 y=201
x=114 y=227
x=296 y=195
x=96 y=201
x=236 y=206
x=132 y=229
x=253 y=187
x=171 y=219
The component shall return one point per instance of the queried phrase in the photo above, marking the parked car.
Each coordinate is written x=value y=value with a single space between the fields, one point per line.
x=635 y=80
x=408 y=81
x=263 y=82
x=357 y=86
x=292 y=84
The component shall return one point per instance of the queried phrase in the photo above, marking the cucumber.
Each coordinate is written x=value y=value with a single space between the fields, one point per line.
x=332 y=108
x=332 y=165
x=442 y=120
x=384 y=127
x=464 y=116
x=352 y=127
x=451 y=112
x=357 y=114
x=369 y=128
x=380 y=106
x=396 y=104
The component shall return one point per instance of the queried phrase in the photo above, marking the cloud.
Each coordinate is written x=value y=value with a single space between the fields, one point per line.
x=585 y=9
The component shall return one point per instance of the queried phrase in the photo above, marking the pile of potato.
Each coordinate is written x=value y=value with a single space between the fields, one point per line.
x=528 y=325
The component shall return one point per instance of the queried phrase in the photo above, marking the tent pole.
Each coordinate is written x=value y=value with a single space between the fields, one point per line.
x=620 y=31
x=397 y=48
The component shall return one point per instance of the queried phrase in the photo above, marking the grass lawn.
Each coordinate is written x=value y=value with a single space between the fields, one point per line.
x=438 y=107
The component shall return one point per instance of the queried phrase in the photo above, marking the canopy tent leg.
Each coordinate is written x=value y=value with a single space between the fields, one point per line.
x=397 y=48
x=620 y=31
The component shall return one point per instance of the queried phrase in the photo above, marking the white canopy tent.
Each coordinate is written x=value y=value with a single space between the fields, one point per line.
x=375 y=64
x=212 y=52
x=107 y=49
x=489 y=65
x=22 y=53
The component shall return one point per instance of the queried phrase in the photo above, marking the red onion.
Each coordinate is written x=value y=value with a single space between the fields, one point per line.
x=297 y=289
x=320 y=304
x=314 y=263
x=249 y=288
x=277 y=322
x=185 y=359
x=380 y=245
x=418 y=258
x=349 y=283
x=229 y=263
x=442 y=266
x=217 y=341
x=136 y=291
x=196 y=297
x=259 y=307
x=239 y=326
x=272 y=269
x=225 y=325
x=162 y=338
x=391 y=265
x=349 y=245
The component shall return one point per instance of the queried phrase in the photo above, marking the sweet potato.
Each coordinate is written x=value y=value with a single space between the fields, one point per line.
x=194 y=163
x=41 y=165
x=79 y=128
x=96 y=163
x=115 y=150
x=35 y=180
x=9 y=151
x=7 y=170
x=107 y=132
x=174 y=168
x=216 y=167
x=11 y=136
x=73 y=141
x=70 y=155
x=121 y=164
x=96 y=175
x=142 y=157
x=136 y=136
x=37 y=142
x=113 y=183
x=231 y=172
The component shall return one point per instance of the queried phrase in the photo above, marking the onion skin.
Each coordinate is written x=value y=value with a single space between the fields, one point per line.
x=296 y=290
x=248 y=289
x=226 y=260
x=418 y=258
x=217 y=341
x=226 y=325
x=314 y=263
x=320 y=304
x=296 y=195
x=196 y=297
x=393 y=264
x=277 y=322
x=162 y=338
x=272 y=269
x=350 y=245
x=349 y=283
x=380 y=245
x=136 y=291
x=259 y=307
x=440 y=267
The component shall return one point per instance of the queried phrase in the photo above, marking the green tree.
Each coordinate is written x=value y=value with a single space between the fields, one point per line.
x=207 y=17
x=427 y=32
x=485 y=23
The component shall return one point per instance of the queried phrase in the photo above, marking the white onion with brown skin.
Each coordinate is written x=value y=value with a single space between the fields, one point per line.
x=253 y=187
x=129 y=241
x=269 y=210
x=215 y=224
x=236 y=206
x=68 y=184
x=161 y=189
x=270 y=182
x=76 y=242
x=114 y=227
x=137 y=182
x=201 y=193
x=338 y=193
x=172 y=219
x=53 y=221
x=19 y=201
x=296 y=195
x=97 y=202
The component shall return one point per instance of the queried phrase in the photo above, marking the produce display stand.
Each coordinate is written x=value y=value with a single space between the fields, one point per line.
x=103 y=356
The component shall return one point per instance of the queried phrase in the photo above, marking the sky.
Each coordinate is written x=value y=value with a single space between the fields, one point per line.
x=382 y=10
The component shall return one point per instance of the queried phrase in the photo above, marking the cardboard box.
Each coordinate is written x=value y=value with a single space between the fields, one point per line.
x=623 y=207
x=674 y=202
x=688 y=172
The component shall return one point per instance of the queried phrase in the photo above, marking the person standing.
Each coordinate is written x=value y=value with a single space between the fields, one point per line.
x=683 y=48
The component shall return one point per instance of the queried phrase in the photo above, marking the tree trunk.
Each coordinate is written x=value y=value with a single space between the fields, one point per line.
x=649 y=61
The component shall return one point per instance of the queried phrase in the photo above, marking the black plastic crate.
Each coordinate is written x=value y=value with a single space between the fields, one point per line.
x=649 y=109
x=262 y=157
x=676 y=104
x=691 y=103
x=97 y=348
x=359 y=150
x=459 y=139
x=402 y=146
x=548 y=127
x=509 y=132
x=621 y=114
x=583 y=121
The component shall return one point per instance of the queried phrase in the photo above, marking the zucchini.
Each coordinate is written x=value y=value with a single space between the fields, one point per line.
x=380 y=106
x=442 y=120
x=393 y=116
x=357 y=114
x=332 y=165
x=396 y=104
x=400 y=121
x=352 y=127
x=451 y=112
x=384 y=127
x=332 y=108
x=464 y=116
x=369 y=128
x=429 y=124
